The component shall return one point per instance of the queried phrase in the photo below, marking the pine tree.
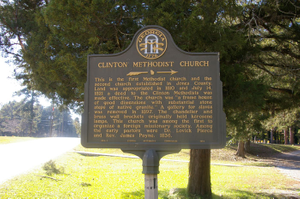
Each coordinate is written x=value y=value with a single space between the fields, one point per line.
x=30 y=107
x=10 y=121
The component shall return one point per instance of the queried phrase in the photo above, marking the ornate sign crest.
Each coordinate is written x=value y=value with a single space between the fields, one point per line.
x=151 y=44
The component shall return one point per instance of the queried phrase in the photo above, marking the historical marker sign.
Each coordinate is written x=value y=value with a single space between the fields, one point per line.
x=153 y=95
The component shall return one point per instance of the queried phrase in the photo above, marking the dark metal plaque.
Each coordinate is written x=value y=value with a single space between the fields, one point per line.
x=153 y=95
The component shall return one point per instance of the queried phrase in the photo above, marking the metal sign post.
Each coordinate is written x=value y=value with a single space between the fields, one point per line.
x=151 y=160
x=153 y=99
x=150 y=169
x=151 y=188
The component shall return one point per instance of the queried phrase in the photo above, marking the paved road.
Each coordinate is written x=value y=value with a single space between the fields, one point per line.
x=20 y=157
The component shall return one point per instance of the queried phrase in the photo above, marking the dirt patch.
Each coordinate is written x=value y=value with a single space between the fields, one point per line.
x=279 y=193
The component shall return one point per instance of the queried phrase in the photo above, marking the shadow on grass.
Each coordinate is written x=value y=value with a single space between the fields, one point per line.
x=182 y=194
x=179 y=194
x=263 y=150
x=134 y=194
x=246 y=194
x=267 y=150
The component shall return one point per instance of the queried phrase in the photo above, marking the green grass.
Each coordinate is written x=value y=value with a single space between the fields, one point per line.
x=113 y=177
x=249 y=182
x=12 y=139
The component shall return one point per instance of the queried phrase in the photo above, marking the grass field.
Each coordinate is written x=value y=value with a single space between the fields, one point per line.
x=12 y=139
x=114 y=177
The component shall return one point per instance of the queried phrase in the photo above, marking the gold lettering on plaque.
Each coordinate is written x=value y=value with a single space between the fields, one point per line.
x=194 y=63
x=112 y=64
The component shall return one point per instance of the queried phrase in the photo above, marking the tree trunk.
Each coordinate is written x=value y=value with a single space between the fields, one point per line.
x=271 y=136
x=31 y=113
x=241 y=149
x=285 y=136
x=199 y=173
x=291 y=136
x=247 y=146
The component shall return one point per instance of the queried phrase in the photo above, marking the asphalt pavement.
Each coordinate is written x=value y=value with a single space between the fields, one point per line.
x=21 y=157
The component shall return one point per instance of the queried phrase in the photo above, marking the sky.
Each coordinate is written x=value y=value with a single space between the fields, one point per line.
x=9 y=85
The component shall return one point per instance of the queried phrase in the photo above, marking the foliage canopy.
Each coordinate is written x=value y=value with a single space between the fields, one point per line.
x=258 y=43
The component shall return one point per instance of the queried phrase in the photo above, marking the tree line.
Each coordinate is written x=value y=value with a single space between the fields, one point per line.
x=29 y=118
x=258 y=43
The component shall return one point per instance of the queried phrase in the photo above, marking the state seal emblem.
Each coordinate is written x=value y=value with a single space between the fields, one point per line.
x=151 y=44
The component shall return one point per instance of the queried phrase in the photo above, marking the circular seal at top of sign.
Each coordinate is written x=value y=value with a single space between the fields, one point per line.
x=151 y=44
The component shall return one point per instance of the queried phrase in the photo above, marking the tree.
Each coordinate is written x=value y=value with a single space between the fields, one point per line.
x=28 y=107
x=285 y=121
x=199 y=173
x=45 y=123
x=273 y=56
x=16 y=120
x=65 y=125
x=56 y=122
x=9 y=121
x=56 y=53
x=242 y=126
x=274 y=27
